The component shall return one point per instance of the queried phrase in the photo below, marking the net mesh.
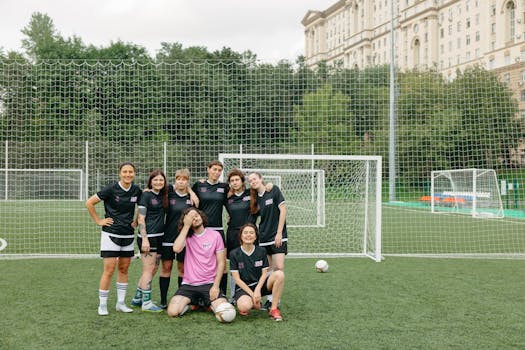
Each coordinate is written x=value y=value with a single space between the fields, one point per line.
x=92 y=115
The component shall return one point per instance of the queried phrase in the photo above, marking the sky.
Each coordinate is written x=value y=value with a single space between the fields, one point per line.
x=271 y=29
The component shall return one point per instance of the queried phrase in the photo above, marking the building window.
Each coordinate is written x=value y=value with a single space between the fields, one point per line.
x=522 y=95
x=477 y=35
x=468 y=23
x=441 y=32
x=522 y=55
x=493 y=28
x=507 y=59
x=458 y=27
x=493 y=10
x=467 y=56
x=477 y=53
x=510 y=21
x=450 y=29
x=468 y=39
x=491 y=63
x=459 y=43
x=492 y=45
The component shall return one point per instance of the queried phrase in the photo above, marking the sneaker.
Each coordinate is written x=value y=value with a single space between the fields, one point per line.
x=163 y=306
x=136 y=302
x=275 y=314
x=123 y=308
x=151 y=308
x=267 y=305
x=103 y=310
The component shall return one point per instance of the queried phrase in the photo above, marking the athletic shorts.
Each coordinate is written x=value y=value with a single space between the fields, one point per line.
x=113 y=246
x=232 y=241
x=198 y=295
x=272 y=249
x=239 y=292
x=167 y=253
x=155 y=243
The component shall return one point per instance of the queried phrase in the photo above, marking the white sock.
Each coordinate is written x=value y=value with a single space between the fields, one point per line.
x=269 y=297
x=103 y=296
x=232 y=287
x=121 y=292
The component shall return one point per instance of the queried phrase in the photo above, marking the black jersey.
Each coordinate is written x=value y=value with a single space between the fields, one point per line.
x=238 y=208
x=119 y=204
x=249 y=266
x=211 y=199
x=269 y=212
x=155 y=212
x=177 y=204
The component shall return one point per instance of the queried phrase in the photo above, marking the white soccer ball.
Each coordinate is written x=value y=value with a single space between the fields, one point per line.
x=321 y=266
x=225 y=313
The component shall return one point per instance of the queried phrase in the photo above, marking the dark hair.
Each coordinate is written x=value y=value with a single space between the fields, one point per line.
x=248 y=225
x=154 y=173
x=183 y=215
x=215 y=162
x=235 y=172
x=122 y=165
x=254 y=208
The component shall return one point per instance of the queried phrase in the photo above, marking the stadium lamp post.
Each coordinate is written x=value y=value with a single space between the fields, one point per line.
x=392 y=124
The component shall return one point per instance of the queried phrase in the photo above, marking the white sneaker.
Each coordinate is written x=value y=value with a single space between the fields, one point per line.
x=123 y=308
x=103 y=310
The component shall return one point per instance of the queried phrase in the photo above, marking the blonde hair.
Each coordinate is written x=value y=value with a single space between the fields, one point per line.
x=182 y=173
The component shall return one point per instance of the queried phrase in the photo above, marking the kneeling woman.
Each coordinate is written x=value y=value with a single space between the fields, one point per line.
x=249 y=268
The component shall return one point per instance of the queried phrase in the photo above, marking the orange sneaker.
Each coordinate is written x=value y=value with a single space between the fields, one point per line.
x=275 y=314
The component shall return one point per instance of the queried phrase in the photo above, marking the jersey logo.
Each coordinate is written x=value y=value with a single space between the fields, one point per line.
x=188 y=201
x=258 y=263
x=202 y=189
x=220 y=190
x=154 y=201
x=246 y=199
x=133 y=199
x=268 y=201
x=241 y=265
x=230 y=201
x=206 y=245
x=117 y=199
x=173 y=201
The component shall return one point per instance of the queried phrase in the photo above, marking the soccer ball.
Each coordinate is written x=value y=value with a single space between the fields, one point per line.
x=321 y=266
x=225 y=313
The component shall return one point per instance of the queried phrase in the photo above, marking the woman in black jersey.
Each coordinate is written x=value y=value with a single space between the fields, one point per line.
x=249 y=268
x=152 y=210
x=179 y=199
x=118 y=233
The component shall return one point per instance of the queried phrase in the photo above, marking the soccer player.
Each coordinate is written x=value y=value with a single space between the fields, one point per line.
x=117 y=236
x=249 y=268
x=179 y=199
x=203 y=264
x=271 y=208
x=152 y=207
x=238 y=208
x=212 y=196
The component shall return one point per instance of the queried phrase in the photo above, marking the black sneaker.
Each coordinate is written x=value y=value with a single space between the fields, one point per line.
x=267 y=305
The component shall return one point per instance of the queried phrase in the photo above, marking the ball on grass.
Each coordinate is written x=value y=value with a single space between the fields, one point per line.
x=321 y=266
x=225 y=313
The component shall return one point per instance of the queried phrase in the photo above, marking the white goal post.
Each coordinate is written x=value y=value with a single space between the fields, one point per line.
x=347 y=188
x=42 y=184
x=472 y=192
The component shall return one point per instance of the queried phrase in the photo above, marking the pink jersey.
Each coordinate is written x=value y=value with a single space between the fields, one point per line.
x=200 y=260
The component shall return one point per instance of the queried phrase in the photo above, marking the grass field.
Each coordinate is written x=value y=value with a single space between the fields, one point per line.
x=401 y=303
x=63 y=227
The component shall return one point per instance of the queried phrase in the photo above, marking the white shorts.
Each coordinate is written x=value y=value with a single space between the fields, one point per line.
x=112 y=245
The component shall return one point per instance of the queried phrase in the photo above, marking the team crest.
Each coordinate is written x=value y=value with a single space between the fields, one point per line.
x=173 y=201
x=133 y=199
x=258 y=263
x=154 y=201
x=206 y=245
x=117 y=199
x=246 y=199
x=268 y=201
x=241 y=265
x=220 y=190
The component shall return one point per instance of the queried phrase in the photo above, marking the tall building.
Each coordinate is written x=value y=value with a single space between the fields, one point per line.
x=445 y=35
x=441 y=34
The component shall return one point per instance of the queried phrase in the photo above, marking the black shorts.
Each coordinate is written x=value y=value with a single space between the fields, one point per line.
x=272 y=249
x=239 y=292
x=167 y=253
x=155 y=244
x=198 y=295
x=232 y=241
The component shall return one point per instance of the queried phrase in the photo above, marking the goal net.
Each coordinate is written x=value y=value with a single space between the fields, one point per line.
x=333 y=202
x=472 y=192
x=306 y=203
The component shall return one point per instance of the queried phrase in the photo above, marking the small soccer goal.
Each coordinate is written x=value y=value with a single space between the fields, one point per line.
x=333 y=202
x=472 y=192
x=41 y=184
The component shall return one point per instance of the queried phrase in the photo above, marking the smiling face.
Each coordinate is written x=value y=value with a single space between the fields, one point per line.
x=255 y=181
x=248 y=234
x=157 y=183
x=127 y=175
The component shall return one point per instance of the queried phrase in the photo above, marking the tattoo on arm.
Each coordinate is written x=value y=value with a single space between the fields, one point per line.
x=142 y=230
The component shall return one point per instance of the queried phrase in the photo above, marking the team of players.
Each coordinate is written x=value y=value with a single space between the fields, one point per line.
x=170 y=227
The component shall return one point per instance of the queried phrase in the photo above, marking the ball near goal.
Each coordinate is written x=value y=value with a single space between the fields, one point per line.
x=225 y=313
x=321 y=266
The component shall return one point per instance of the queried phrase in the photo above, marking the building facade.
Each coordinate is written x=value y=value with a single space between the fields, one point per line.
x=443 y=35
